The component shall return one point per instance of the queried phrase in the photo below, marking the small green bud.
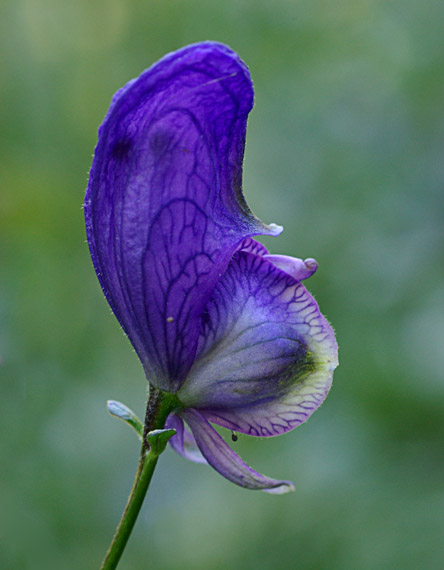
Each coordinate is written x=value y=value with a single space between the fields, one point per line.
x=119 y=410
x=158 y=439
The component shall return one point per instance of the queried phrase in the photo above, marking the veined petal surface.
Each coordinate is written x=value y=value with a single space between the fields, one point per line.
x=299 y=269
x=164 y=208
x=266 y=354
x=222 y=458
x=250 y=245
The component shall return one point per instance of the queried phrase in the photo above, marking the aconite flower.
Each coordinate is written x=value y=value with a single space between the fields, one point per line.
x=216 y=320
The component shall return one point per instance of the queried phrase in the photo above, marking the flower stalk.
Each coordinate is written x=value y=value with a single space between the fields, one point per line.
x=155 y=438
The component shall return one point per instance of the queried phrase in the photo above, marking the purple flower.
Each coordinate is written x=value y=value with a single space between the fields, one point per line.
x=214 y=318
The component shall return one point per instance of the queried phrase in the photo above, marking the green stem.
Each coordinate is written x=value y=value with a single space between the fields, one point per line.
x=159 y=406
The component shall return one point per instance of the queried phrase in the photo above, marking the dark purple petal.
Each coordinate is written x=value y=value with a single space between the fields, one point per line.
x=183 y=442
x=222 y=458
x=266 y=354
x=164 y=208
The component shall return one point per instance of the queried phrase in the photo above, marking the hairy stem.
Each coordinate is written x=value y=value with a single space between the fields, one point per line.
x=159 y=406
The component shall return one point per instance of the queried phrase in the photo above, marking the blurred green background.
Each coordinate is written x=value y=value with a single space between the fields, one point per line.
x=345 y=148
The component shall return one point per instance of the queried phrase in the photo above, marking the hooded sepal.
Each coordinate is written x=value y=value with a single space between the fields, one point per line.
x=164 y=207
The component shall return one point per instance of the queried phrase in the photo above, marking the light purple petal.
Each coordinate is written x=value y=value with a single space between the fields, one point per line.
x=183 y=442
x=266 y=354
x=164 y=207
x=222 y=458
x=299 y=269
